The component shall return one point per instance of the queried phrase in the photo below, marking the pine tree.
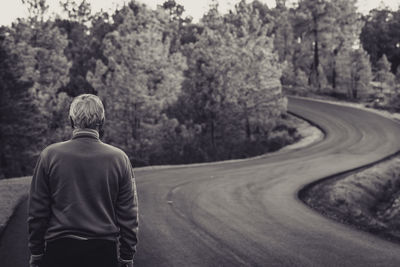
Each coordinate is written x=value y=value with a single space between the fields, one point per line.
x=384 y=76
x=283 y=34
x=311 y=24
x=34 y=70
x=139 y=79
x=233 y=80
x=381 y=35
x=360 y=75
x=341 y=38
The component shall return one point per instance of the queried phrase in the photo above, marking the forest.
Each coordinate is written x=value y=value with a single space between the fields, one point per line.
x=177 y=91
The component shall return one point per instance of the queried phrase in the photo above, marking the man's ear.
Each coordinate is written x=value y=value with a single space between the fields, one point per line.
x=72 y=122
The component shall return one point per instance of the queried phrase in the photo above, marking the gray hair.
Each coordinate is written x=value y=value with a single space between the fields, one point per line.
x=87 y=111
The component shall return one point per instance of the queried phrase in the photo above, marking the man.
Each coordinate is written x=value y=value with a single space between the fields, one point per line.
x=83 y=208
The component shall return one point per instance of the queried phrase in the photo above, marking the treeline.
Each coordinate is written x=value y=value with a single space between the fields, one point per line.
x=331 y=49
x=176 y=91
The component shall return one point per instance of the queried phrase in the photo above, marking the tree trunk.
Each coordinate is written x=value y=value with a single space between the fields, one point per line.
x=355 y=93
x=248 y=130
x=316 y=54
x=351 y=88
x=334 y=74
x=136 y=123
x=213 y=134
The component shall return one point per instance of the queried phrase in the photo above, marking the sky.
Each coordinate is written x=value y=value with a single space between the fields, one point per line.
x=12 y=9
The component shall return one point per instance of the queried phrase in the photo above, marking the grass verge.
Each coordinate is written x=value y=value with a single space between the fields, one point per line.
x=368 y=200
x=12 y=192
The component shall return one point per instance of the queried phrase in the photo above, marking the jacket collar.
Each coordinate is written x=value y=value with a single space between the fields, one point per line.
x=86 y=132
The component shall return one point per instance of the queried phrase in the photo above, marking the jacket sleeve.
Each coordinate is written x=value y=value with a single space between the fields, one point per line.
x=127 y=214
x=38 y=207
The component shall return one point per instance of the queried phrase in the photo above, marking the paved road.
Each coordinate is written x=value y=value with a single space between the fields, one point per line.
x=248 y=213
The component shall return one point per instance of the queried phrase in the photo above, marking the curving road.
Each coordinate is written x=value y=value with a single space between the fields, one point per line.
x=247 y=213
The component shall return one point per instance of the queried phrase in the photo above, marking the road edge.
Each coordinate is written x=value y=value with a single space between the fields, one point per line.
x=301 y=193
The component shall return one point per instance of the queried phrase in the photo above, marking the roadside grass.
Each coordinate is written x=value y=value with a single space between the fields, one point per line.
x=368 y=200
x=12 y=192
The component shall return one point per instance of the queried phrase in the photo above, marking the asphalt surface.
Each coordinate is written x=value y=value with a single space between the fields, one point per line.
x=248 y=213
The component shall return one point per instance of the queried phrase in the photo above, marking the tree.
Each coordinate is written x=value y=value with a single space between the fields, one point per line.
x=232 y=86
x=18 y=128
x=34 y=69
x=326 y=33
x=175 y=10
x=37 y=9
x=312 y=23
x=343 y=36
x=360 y=74
x=41 y=46
x=41 y=50
x=283 y=32
x=139 y=79
x=178 y=26
x=381 y=35
x=384 y=76
x=80 y=13
x=85 y=34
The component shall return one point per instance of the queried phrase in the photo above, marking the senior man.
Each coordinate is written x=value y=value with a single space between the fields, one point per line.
x=83 y=208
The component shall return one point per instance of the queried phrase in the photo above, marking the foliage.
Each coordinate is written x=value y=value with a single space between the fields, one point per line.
x=284 y=42
x=381 y=35
x=380 y=38
x=80 y=13
x=386 y=80
x=383 y=73
x=35 y=68
x=37 y=10
x=140 y=68
x=232 y=88
x=15 y=103
x=312 y=25
x=326 y=34
x=174 y=91
x=85 y=33
x=360 y=75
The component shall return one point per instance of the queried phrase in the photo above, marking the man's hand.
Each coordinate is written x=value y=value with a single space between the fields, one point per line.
x=35 y=260
x=125 y=263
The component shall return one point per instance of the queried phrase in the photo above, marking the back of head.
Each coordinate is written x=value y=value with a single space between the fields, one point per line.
x=86 y=111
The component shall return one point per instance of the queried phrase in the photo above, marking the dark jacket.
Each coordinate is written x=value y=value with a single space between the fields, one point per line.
x=86 y=189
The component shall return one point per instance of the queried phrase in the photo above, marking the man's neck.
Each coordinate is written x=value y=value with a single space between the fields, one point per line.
x=82 y=131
